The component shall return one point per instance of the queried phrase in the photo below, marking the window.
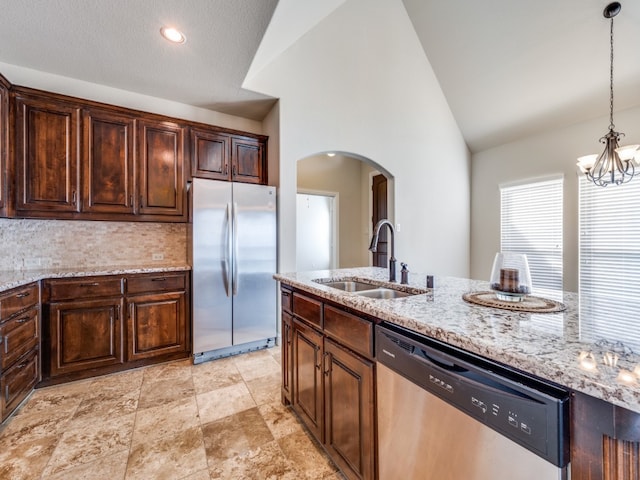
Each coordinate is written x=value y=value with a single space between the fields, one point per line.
x=531 y=223
x=610 y=261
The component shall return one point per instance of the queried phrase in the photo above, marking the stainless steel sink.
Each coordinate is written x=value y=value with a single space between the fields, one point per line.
x=350 y=285
x=384 y=293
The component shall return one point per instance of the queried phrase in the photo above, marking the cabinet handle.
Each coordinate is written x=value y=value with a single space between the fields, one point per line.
x=234 y=171
x=22 y=320
x=73 y=197
x=131 y=200
x=327 y=367
x=117 y=312
x=22 y=295
x=159 y=279
x=6 y=394
x=141 y=202
x=22 y=365
x=94 y=284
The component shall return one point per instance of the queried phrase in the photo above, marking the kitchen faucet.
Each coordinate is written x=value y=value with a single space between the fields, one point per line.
x=374 y=246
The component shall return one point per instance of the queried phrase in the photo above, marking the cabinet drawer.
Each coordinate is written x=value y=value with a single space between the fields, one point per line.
x=286 y=297
x=156 y=282
x=350 y=330
x=18 y=336
x=17 y=382
x=88 y=287
x=307 y=309
x=18 y=300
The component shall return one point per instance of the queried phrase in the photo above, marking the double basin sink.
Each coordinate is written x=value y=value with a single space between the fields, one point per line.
x=369 y=290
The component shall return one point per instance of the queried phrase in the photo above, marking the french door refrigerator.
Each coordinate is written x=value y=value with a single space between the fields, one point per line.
x=234 y=258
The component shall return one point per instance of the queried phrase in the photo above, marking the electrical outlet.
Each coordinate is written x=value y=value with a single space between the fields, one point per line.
x=157 y=256
x=32 y=262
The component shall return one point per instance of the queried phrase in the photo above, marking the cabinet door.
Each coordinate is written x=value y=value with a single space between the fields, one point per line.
x=286 y=349
x=85 y=334
x=350 y=411
x=107 y=162
x=157 y=325
x=210 y=155
x=307 y=377
x=160 y=169
x=4 y=143
x=47 y=134
x=247 y=160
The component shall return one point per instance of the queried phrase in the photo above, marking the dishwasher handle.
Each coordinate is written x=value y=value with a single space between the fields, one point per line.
x=436 y=358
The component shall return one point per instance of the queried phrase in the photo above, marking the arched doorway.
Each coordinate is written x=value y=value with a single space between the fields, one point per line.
x=348 y=178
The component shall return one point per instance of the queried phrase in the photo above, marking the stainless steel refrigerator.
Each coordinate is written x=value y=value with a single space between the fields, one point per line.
x=234 y=258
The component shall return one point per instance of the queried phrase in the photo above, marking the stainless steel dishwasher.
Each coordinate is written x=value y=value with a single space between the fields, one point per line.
x=447 y=414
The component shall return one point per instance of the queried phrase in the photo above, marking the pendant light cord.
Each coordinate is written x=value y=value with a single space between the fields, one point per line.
x=611 y=125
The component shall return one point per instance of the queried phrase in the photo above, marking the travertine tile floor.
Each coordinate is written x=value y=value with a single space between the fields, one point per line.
x=218 y=420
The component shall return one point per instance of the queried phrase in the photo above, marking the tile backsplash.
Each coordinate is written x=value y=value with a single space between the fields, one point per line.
x=37 y=244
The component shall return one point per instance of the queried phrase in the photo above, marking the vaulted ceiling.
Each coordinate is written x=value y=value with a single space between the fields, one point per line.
x=508 y=69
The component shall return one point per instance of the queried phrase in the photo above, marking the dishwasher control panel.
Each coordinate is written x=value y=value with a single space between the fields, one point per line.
x=527 y=410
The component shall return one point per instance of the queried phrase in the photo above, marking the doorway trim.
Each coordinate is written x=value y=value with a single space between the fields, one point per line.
x=335 y=251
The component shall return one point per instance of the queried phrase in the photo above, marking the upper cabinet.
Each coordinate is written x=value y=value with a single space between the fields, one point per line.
x=248 y=160
x=210 y=152
x=67 y=158
x=4 y=143
x=108 y=140
x=46 y=155
x=228 y=157
x=160 y=168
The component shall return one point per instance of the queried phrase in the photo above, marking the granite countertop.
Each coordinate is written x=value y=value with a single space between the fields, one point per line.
x=575 y=348
x=17 y=278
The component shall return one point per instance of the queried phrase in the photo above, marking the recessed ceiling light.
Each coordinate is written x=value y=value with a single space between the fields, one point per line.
x=173 y=34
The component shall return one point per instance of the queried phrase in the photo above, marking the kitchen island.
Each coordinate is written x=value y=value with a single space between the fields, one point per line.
x=564 y=348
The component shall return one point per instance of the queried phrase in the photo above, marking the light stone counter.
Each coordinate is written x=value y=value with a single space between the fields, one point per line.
x=12 y=279
x=574 y=348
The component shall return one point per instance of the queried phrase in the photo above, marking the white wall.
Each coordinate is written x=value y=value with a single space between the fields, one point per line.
x=359 y=82
x=540 y=155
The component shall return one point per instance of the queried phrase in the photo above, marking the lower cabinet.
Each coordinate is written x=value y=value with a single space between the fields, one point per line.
x=349 y=434
x=96 y=325
x=330 y=383
x=19 y=346
x=157 y=325
x=85 y=334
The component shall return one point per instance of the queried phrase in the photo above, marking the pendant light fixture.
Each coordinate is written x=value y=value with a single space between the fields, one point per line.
x=615 y=165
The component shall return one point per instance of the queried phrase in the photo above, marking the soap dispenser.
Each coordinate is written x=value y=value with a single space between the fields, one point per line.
x=404 y=274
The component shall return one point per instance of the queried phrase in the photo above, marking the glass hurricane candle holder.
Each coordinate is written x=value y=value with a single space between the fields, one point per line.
x=510 y=276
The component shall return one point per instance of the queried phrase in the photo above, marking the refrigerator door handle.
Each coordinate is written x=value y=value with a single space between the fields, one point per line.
x=235 y=248
x=227 y=251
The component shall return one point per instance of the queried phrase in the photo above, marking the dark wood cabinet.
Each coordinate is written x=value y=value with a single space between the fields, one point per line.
x=307 y=373
x=248 y=162
x=47 y=159
x=160 y=169
x=108 y=141
x=210 y=154
x=157 y=325
x=97 y=325
x=328 y=376
x=222 y=156
x=19 y=346
x=84 y=324
x=349 y=392
x=605 y=440
x=4 y=146
x=85 y=334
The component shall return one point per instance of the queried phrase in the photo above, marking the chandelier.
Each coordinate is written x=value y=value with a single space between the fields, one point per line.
x=615 y=165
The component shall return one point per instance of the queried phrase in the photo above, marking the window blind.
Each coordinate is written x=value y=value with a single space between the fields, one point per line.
x=610 y=261
x=531 y=223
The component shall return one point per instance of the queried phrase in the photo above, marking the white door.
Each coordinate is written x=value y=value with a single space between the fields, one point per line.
x=315 y=232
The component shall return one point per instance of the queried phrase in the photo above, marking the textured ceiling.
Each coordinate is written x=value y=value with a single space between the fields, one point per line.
x=117 y=43
x=507 y=68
